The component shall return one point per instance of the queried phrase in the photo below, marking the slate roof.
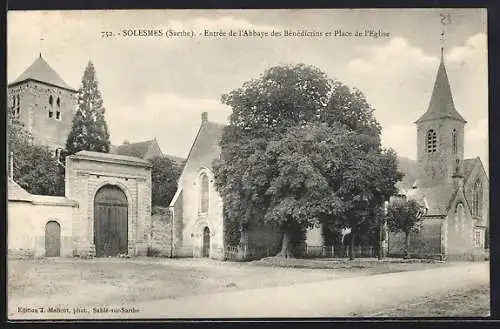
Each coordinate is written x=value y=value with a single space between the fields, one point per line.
x=436 y=199
x=441 y=104
x=41 y=71
x=139 y=149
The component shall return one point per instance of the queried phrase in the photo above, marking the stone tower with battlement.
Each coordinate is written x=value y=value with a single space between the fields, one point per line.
x=45 y=104
x=440 y=136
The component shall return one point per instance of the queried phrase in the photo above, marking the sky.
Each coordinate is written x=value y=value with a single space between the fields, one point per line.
x=159 y=86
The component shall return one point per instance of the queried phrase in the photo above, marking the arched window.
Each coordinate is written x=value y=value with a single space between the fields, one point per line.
x=459 y=216
x=431 y=141
x=58 y=102
x=454 y=141
x=51 y=100
x=204 y=193
x=477 y=198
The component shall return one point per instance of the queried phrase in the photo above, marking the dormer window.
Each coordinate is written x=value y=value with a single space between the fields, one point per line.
x=431 y=141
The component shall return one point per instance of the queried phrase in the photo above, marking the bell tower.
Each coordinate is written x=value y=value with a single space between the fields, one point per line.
x=440 y=136
x=45 y=104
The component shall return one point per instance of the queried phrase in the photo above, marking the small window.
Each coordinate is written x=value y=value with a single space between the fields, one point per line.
x=58 y=115
x=431 y=141
x=204 y=191
x=51 y=100
x=18 y=100
x=13 y=101
x=454 y=141
x=50 y=114
x=58 y=102
x=477 y=238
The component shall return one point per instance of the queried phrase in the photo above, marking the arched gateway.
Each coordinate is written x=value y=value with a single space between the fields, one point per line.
x=110 y=222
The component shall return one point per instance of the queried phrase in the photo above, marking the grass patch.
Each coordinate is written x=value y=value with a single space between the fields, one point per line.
x=465 y=303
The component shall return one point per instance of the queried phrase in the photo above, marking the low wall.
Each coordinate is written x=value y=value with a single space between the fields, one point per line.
x=161 y=233
x=27 y=221
x=424 y=243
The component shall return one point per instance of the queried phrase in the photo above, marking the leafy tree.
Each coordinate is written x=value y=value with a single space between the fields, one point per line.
x=404 y=216
x=301 y=150
x=34 y=166
x=164 y=175
x=89 y=130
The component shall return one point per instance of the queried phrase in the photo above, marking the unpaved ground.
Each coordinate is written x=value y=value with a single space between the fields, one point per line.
x=76 y=282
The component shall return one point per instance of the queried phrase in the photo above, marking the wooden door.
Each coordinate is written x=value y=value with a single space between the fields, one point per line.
x=52 y=239
x=206 y=242
x=110 y=222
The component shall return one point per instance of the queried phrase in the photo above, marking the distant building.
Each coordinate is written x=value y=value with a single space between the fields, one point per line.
x=144 y=150
x=44 y=103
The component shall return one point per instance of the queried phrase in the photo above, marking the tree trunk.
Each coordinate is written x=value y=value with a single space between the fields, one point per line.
x=407 y=245
x=351 y=246
x=286 y=245
x=380 y=241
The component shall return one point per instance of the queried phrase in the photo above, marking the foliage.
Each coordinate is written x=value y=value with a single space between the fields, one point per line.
x=404 y=216
x=35 y=168
x=89 y=130
x=302 y=150
x=164 y=175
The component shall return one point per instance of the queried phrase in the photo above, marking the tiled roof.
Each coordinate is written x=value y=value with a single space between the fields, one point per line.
x=16 y=192
x=41 y=71
x=139 y=149
x=441 y=104
x=468 y=166
x=437 y=199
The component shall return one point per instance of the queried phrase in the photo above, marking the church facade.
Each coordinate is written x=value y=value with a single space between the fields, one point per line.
x=454 y=190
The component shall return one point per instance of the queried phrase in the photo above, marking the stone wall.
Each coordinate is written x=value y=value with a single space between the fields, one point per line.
x=27 y=221
x=437 y=168
x=161 y=233
x=424 y=243
x=34 y=111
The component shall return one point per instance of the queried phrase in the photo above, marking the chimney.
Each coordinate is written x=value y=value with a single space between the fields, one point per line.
x=204 y=117
x=125 y=142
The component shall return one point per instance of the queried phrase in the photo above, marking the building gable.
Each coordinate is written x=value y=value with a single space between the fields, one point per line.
x=205 y=148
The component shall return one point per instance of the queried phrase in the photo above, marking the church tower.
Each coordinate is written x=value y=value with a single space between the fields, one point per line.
x=43 y=103
x=440 y=135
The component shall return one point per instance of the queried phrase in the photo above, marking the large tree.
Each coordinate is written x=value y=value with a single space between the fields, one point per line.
x=34 y=167
x=89 y=130
x=404 y=216
x=164 y=175
x=301 y=150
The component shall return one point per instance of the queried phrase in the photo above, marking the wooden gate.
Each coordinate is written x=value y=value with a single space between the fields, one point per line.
x=110 y=222
x=52 y=239
x=206 y=242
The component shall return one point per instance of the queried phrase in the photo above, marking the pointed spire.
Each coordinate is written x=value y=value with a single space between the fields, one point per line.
x=441 y=104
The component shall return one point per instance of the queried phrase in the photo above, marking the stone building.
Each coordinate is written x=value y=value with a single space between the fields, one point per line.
x=454 y=190
x=198 y=223
x=106 y=210
x=45 y=104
